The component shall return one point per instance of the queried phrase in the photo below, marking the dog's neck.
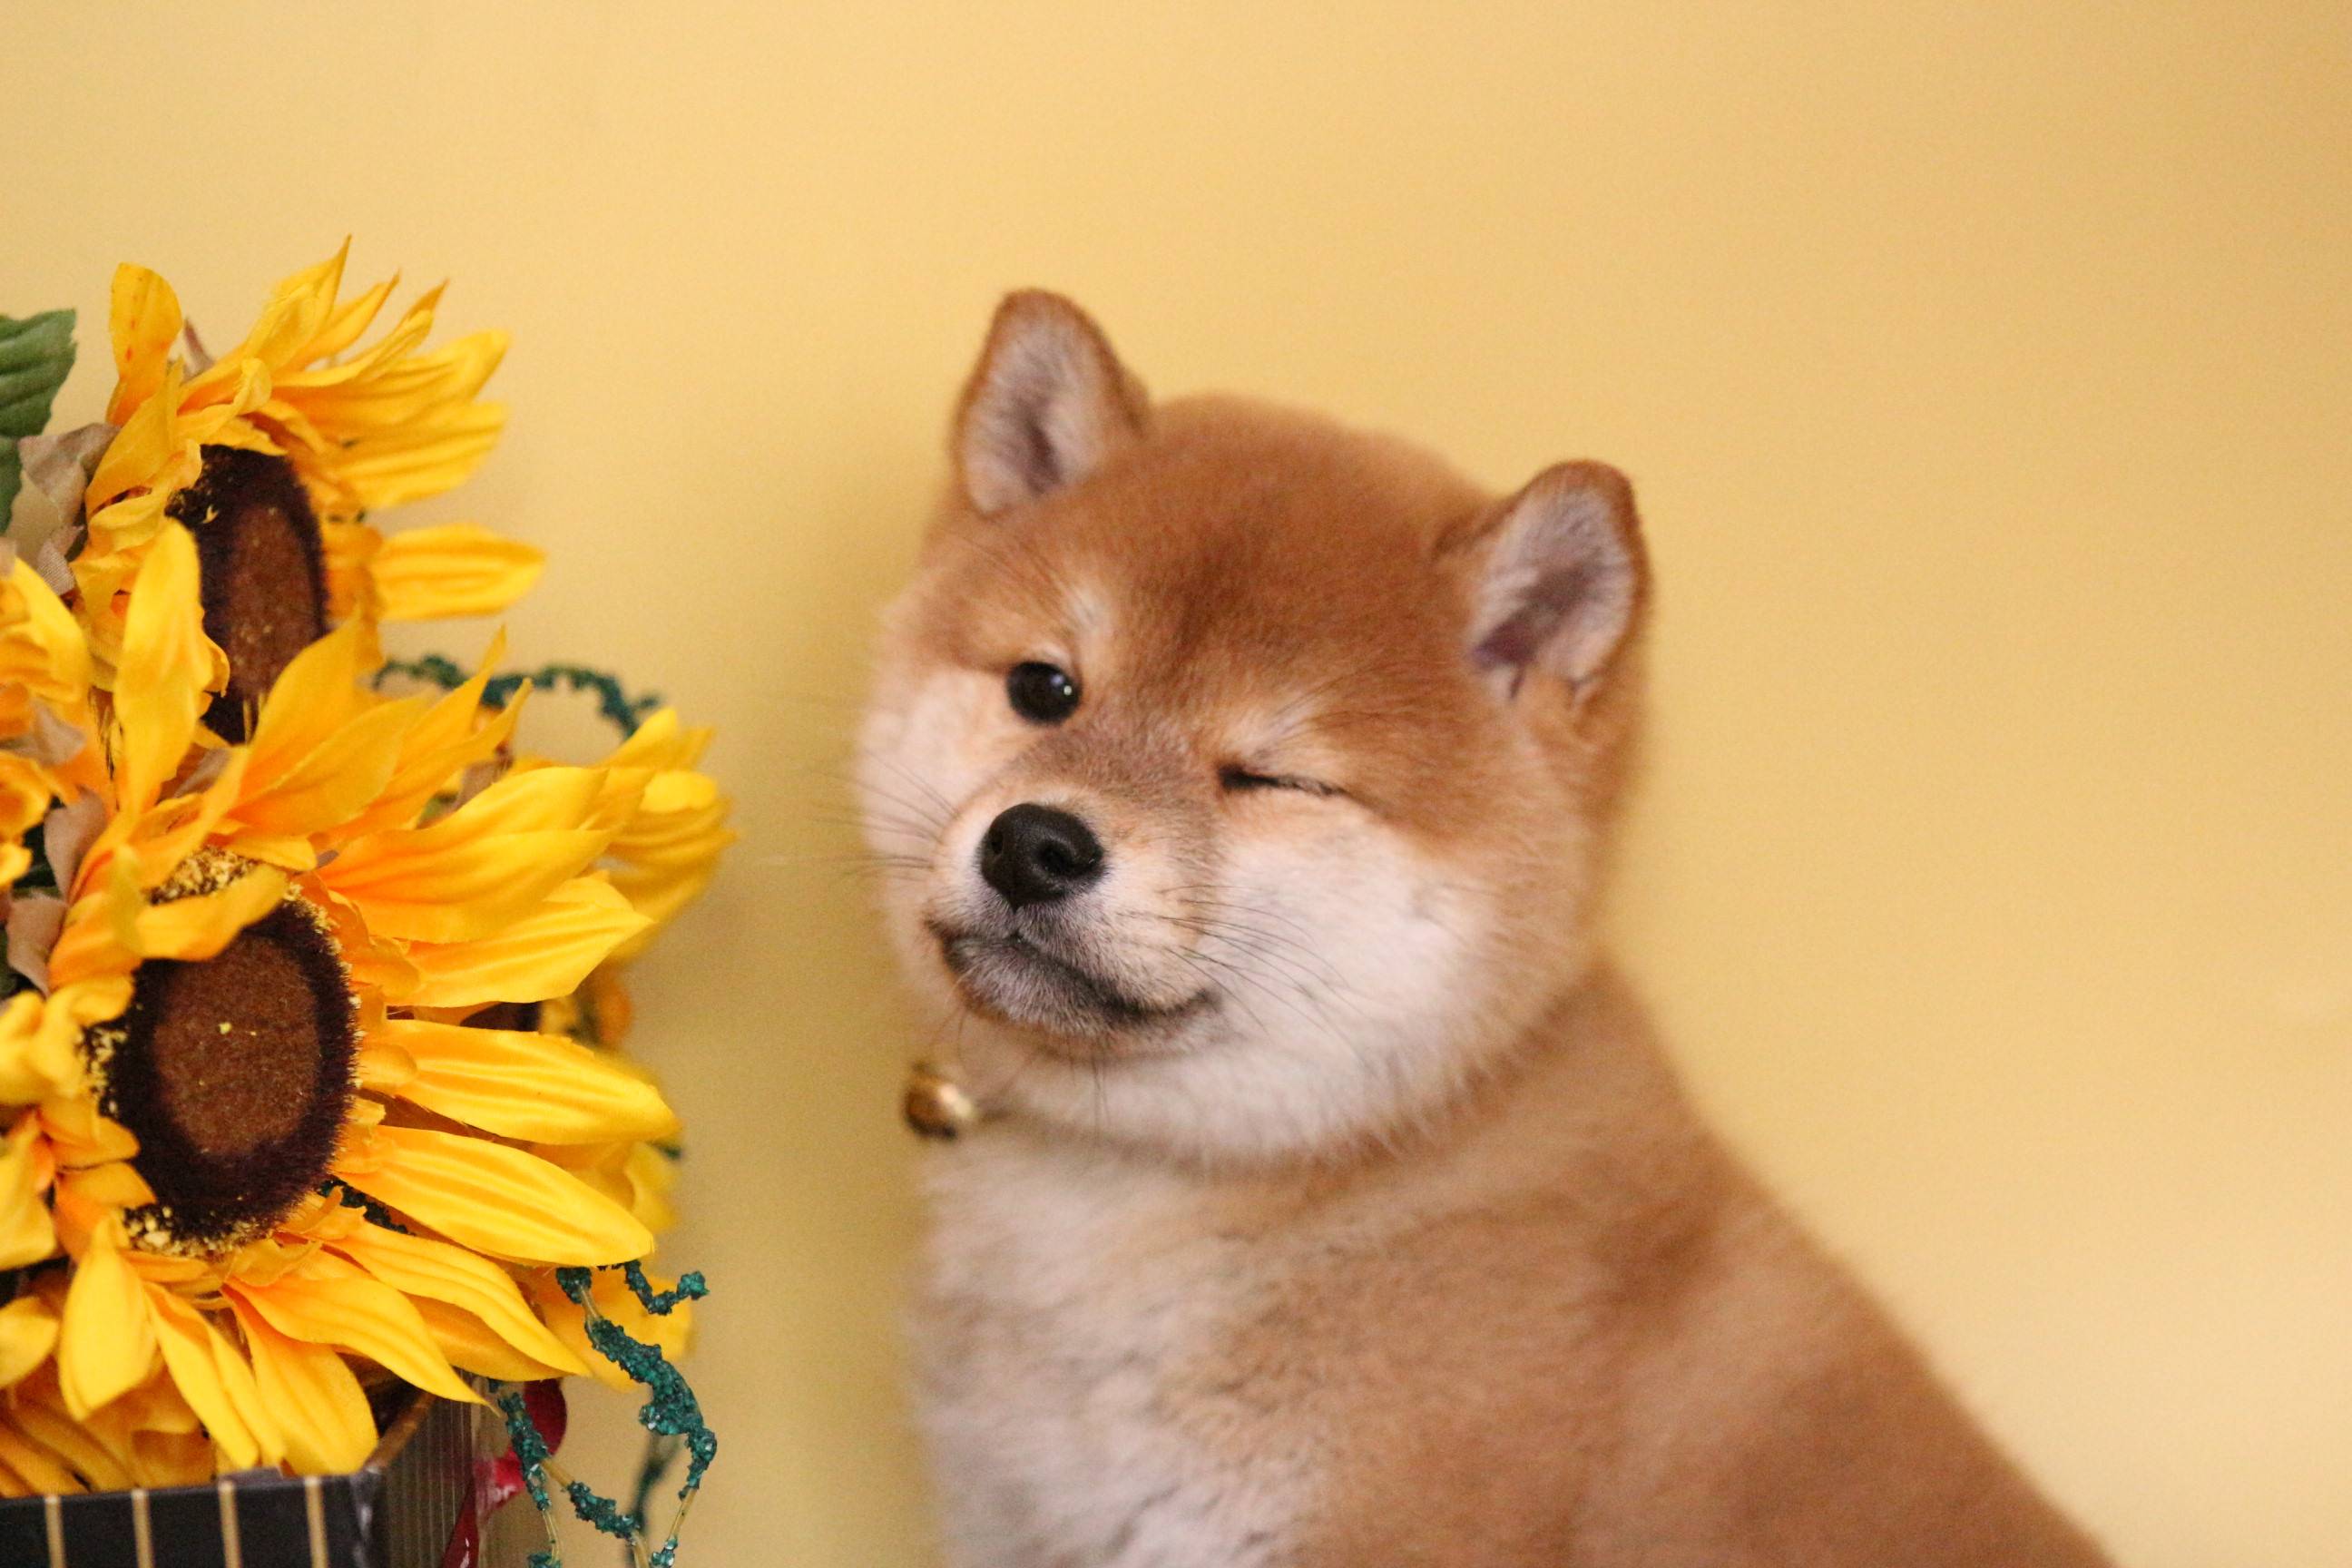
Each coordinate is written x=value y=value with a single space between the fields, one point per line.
x=1586 y=1072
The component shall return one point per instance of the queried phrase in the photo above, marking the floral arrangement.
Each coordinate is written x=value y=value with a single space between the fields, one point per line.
x=309 y=1072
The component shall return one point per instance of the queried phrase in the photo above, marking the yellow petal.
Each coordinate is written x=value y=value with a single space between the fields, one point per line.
x=99 y=944
x=167 y=663
x=660 y=895
x=205 y=1370
x=349 y=548
x=482 y=866
x=165 y=1459
x=456 y=568
x=150 y=454
x=343 y=327
x=28 y=1332
x=176 y=828
x=470 y=1346
x=300 y=309
x=494 y=1198
x=199 y=926
x=39 y=1470
x=326 y=1300
x=419 y=1267
x=116 y=1183
x=26 y=1232
x=101 y=933
x=676 y=805
x=317 y=695
x=81 y=1134
x=653 y=1175
x=452 y=737
x=317 y=1401
x=538 y=1088
x=547 y=953
x=106 y=1346
x=39 y=1412
x=340 y=778
x=419 y=389
x=637 y=1176
x=383 y=1068
x=155 y=1405
x=669 y=846
x=412 y=461
x=45 y=650
x=143 y=318
x=36 y=1059
x=388 y=371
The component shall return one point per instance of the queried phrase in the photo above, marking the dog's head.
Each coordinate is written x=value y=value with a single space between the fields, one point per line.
x=1235 y=776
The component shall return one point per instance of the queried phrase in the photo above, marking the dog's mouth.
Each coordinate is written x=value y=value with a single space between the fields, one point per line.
x=1009 y=976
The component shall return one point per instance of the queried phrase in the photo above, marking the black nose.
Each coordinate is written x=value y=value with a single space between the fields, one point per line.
x=1033 y=854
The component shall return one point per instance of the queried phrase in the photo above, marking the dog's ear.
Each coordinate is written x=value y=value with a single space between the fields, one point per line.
x=1046 y=405
x=1558 y=577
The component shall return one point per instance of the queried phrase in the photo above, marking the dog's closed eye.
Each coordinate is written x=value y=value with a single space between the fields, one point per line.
x=1234 y=778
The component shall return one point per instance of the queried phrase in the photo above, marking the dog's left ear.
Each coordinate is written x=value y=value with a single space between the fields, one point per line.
x=1558 y=577
x=1048 y=404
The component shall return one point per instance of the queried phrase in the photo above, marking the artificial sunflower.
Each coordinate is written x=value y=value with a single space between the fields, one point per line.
x=662 y=855
x=255 y=1134
x=667 y=848
x=275 y=455
x=44 y=707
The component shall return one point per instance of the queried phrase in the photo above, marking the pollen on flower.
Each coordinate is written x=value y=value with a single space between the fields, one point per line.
x=207 y=871
x=98 y=1045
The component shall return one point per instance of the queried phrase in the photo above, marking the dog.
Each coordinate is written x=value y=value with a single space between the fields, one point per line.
x=1243 y=786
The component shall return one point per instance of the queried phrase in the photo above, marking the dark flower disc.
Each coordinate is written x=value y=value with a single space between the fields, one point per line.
x=235 y=1073
x=508 y=1016
x=264 y=572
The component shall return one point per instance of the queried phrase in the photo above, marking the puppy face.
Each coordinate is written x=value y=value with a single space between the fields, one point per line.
x=1235 y=775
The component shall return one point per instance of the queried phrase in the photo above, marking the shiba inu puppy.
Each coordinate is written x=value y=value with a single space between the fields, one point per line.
x=1243 y=784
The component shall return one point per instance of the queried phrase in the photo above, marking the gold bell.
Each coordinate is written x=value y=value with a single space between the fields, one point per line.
x=936 y=1105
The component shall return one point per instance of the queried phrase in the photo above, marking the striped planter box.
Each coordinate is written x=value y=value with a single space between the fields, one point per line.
x=395 y=1512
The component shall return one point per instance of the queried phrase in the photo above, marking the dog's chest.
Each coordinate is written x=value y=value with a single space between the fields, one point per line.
x=1085 y=1384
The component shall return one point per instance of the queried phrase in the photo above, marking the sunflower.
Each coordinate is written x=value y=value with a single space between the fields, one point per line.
x=275 y=455
x=667 y=848
x=254 y=1135
x=44 y=707
x=639 y=1174
x=662 y=856
x=661 y=859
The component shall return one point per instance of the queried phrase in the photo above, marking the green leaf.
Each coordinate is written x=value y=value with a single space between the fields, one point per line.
x=36 y=355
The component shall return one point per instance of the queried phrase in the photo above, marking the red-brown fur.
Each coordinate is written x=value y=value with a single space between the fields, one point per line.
x=1376 y=1231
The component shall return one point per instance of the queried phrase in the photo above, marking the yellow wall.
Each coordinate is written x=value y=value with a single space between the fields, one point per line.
x=1987 y=371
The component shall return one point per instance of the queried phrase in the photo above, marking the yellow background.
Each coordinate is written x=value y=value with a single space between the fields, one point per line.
x=1986 y=373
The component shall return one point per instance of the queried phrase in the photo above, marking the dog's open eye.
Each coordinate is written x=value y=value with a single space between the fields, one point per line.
x=1041 y=693
x=1236 y=778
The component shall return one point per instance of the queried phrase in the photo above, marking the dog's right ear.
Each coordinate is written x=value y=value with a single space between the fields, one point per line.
x=1046 y=405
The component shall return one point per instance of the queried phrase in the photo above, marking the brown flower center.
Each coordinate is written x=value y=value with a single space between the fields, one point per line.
x=235 y=1073
x=229 y=1038
x=265 y=576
